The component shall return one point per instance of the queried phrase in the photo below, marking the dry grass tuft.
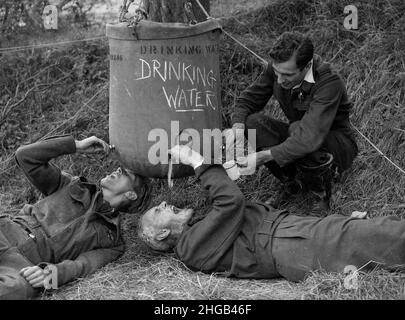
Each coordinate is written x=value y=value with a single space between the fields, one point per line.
x=375 y=285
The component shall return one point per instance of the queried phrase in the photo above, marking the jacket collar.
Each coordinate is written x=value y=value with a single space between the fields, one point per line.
x=83 y=191
x=311 y=76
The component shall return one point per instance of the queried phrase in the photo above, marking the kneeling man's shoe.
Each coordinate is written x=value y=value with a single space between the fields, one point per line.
x=317 y=172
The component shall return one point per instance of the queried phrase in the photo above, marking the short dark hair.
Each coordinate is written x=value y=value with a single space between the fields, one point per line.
x=141 y=186
x=290 y=42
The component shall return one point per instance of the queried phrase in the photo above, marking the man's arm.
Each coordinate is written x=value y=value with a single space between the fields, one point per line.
x=34 y=159
x=69 y=270
x=310 y=132
x=87 y=263
x=254 y=98
x=204 y=243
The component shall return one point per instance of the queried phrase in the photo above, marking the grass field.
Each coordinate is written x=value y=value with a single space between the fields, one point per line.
x=44 y=94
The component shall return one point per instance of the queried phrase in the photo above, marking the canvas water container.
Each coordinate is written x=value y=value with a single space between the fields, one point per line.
x=164 y=78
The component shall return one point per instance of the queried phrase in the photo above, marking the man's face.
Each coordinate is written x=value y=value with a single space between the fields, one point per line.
x=115 y=185
x=164 y=215
x=288 y=74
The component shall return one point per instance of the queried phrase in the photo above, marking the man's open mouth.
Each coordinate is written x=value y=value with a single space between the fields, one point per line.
x=175 y=209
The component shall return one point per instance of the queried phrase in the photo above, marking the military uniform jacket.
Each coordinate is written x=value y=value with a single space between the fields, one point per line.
x=74 y=228
x=234 y=237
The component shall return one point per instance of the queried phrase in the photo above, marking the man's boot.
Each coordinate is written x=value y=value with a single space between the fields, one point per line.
x=290 y=185
x=317 y=172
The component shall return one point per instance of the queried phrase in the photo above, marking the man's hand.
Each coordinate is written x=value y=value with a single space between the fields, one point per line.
x=35 y=276
x=92 y=145
x=186 y=155
x=248 y=164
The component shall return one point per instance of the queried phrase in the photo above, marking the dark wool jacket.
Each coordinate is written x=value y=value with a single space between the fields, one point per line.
x=234 y=236
x=314 y=109
x=74 y=228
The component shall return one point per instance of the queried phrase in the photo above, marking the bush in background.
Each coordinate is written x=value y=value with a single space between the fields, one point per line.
x=25 y=16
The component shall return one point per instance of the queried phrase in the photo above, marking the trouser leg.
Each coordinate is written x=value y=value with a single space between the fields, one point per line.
x=270 y=132
x=343 y=147
x=313 y=174
x=304 y=244
x=12 y=285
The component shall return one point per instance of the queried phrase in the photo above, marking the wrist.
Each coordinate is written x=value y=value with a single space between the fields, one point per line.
x=266 y=155
x=197 y=162
x=238 y=125
x=77 y=145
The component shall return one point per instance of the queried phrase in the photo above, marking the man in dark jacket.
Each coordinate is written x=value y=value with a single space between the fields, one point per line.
x=253 y=240
x=73 y=230
x=318 y=136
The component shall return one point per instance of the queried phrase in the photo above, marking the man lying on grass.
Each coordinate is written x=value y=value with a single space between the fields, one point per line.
x=253 y=240
x=74 y=228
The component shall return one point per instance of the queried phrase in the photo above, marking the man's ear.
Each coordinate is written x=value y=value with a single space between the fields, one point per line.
x=162 y=234
x=131 y=195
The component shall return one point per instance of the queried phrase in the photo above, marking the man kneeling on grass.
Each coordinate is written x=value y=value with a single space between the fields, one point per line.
x=253 y=240
x=74 y=229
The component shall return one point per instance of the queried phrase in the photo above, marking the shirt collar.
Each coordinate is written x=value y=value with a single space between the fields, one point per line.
x=309 y=76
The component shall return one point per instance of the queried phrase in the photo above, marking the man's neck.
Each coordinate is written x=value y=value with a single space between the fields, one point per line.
x=309 y=76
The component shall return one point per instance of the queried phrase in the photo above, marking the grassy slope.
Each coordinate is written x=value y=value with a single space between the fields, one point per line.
x=371 y=61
